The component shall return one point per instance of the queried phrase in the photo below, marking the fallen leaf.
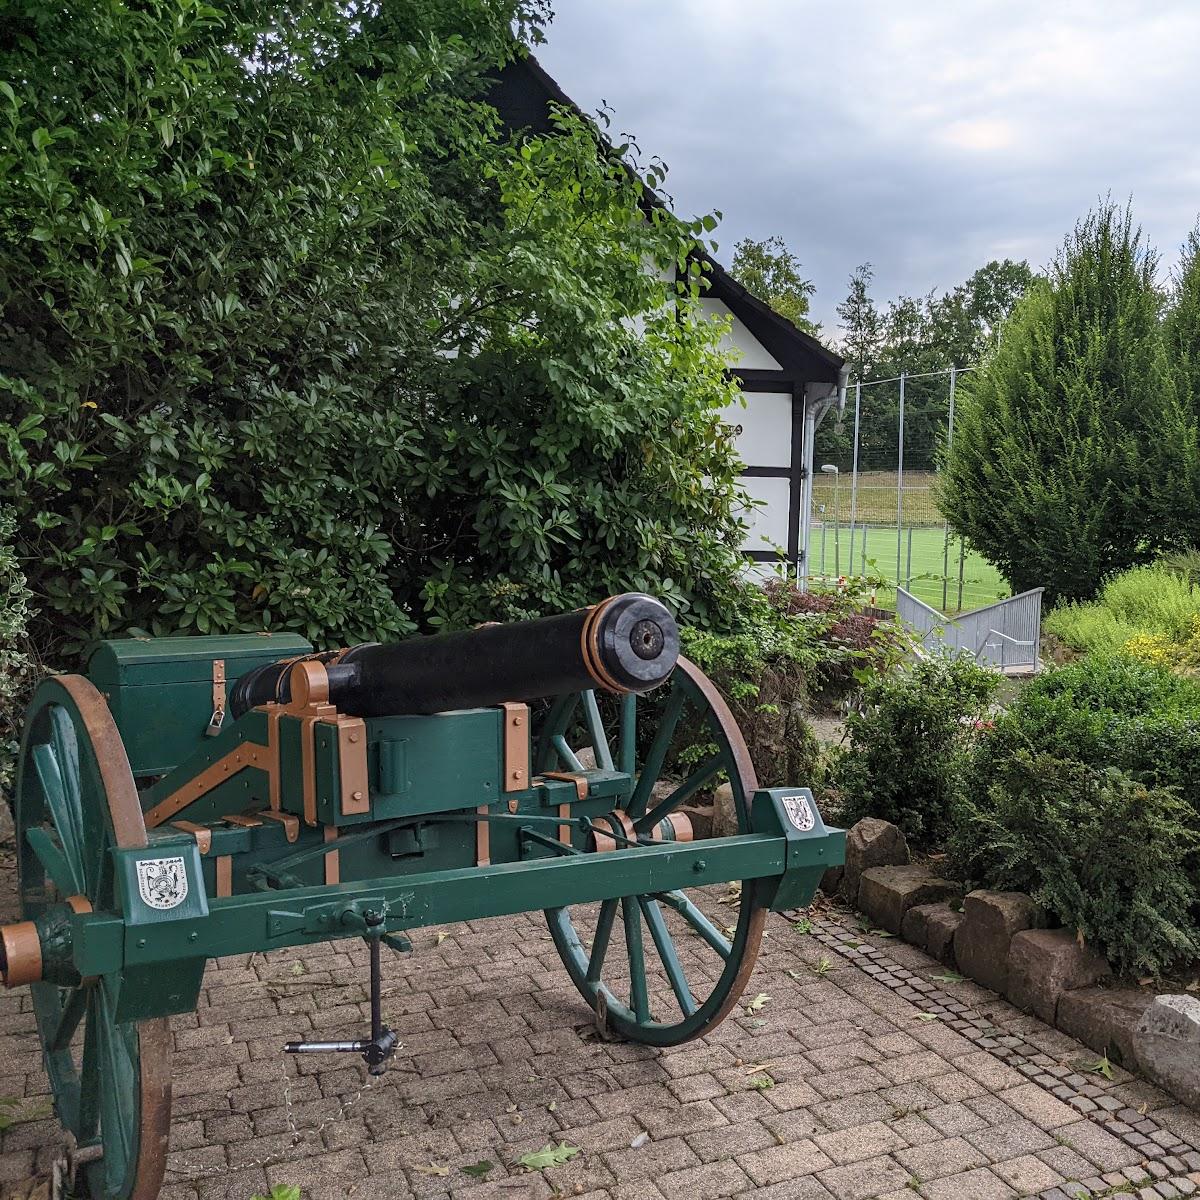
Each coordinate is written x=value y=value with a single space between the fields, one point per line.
x=548 y=1156
x=297 y=968
x=432 y=1169
x=925 y=1017
x=754 y=1070
x=1098 y=1066
x=763 y=1082
x=948 y=977
x=442 y=935
x=883 y=933
x=479 y=1169
x=1142 y=1109
x=757 y=1003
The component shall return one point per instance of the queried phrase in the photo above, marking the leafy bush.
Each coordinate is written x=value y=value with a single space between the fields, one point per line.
x=296 y=336
x=1104 y=712
x=1105 y=854
x=905 y=745
x=16 y=665
x=792 y=646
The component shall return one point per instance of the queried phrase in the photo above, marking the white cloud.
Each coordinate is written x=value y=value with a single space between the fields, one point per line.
x=927 y=137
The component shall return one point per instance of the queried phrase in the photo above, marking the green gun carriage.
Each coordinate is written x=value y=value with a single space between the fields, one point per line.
x=205 y=796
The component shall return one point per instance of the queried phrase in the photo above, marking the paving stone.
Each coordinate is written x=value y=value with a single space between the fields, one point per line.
x=886 y=893
x=784 y=1162
x=979 y=1184
x=1027 y=1174
x=870 y=843
x=865 y=1180
x=982 y=940
x=858 y=1142
x=705 y=1182
x=948 y=1156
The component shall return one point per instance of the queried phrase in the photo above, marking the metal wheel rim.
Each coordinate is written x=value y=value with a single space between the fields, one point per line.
x=94 y=807
x=620 y=1017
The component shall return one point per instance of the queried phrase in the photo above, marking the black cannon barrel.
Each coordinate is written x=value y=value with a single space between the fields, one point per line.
x=628 y=643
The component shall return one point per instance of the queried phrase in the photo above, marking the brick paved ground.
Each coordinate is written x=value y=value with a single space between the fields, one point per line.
x=885 y=1082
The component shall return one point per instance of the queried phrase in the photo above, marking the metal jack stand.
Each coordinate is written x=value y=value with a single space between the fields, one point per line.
x=381 y=1045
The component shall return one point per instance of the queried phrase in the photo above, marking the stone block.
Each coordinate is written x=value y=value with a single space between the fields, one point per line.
x=724 y=818
x=871 y=843
x=1044 y=963
x=701 y=817
x=981 y=941
x=1105 y=1019
x=932 y=926
x=886 y=893
x=1167 y=1045
x=831 y=881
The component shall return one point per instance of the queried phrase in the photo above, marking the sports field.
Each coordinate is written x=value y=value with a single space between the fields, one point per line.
x=981 y=581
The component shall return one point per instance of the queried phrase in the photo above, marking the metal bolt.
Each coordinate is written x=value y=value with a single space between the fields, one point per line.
x=699 y=865
x=517 y=774
x=516 y=720
x=193 y=936
x=141 y=943
x=354 y=737
x=358 y=795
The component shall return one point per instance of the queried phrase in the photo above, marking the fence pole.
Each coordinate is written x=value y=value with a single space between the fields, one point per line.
x=946 y=525
x=962 y=555
x=908 y=563
x=854 y=471
x=900 y=481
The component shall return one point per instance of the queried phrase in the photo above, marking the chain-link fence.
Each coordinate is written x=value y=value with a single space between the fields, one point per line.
x=875 y=495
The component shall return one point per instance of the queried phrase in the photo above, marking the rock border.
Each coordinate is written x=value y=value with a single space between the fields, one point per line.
x=998 y=940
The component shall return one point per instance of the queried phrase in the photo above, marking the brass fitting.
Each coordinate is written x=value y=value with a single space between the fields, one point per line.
x=20 y=954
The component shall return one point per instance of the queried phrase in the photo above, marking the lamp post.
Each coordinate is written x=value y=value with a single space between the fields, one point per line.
x=830 y=469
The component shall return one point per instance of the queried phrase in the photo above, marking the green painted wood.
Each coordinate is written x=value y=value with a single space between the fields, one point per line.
x=699 y=922
x=700 y=778
x=591 y=710
x=604 y=928
x=628 y=734
x=665 y=946
x=639 y=993
x=656 y=755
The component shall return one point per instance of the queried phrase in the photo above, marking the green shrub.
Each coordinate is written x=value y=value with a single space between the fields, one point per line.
x=1104 y=854
x=16 y=665
x=905 y=745
x=296 y=336
x=792 y=646
x=1089 y=627
x=1105 y=712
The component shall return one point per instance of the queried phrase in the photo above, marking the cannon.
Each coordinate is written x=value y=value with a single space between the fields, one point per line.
x=194 y=797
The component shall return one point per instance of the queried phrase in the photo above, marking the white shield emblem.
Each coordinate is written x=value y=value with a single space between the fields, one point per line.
x=799 y=812
x=162 y=882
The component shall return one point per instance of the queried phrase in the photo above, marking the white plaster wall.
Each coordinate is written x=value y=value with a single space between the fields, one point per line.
x=744 y=350
x=770 y=521
x=763 y=428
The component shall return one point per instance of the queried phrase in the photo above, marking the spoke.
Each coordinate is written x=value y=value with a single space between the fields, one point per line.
x=699 y=922
x=63 y=813
x=53 y=860
x=604 y=925
x=89 y=1073
x=666 y=951
x=72 y=1014
x=657 y=753
x=566 y=753
x=629 y=732
x=639 y=996
x=118 y=1086
x=591 y=714
x=694 y=782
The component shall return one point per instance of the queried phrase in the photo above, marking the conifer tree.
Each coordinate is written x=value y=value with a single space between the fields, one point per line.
x=1070 y=450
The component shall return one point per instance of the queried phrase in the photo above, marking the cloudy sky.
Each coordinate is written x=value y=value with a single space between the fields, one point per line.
x=925 y=138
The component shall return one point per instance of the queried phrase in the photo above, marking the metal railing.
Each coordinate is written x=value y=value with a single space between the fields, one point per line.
x=1005 y=635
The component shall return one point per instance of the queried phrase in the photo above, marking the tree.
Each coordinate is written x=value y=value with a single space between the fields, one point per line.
x=770 y=271
x=1069 y=443
x=964 y=322
x=862 y=322
x=1182 y=324
x=295 y=336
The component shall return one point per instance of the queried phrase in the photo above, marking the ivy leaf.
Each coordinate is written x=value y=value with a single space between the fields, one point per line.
x=1098 y=1066
x=548 y=1156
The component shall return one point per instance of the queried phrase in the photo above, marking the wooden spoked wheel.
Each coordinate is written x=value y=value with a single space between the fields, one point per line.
x=75 y=801
x=677 y=971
